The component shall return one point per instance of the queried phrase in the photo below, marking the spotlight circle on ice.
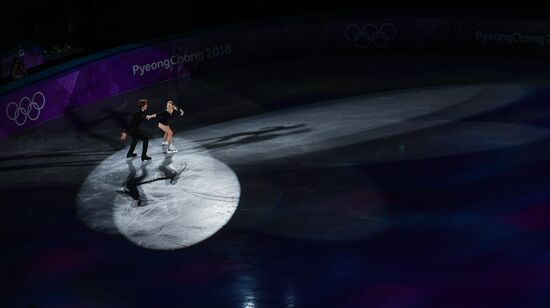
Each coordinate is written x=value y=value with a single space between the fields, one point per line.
x=174 y=201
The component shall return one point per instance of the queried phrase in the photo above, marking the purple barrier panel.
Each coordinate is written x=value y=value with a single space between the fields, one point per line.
x=273 y=42
x=111 y=76
x=296 y=39
x=503 y=35
x=386 y=34
x=92 y=82
x=427 y=33
x=195 y=55
x=122 y=73
x=359 y=35
x=30 y=57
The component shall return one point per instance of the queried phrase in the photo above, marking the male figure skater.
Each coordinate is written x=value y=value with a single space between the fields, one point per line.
x=136 y=133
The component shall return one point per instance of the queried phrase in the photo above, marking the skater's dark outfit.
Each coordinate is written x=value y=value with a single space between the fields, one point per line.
x=137 y=134
x=164 y=117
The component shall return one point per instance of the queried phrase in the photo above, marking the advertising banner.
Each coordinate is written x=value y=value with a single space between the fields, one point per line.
x=512 y=36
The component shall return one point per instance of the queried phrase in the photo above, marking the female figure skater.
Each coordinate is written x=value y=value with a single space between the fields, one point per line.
x=165 y=116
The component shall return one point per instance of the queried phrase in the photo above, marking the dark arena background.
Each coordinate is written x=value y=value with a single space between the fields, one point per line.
x=328 y=155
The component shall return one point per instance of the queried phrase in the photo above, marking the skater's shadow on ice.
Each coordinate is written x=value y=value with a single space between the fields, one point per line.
x=132 y=182
x=263 y=134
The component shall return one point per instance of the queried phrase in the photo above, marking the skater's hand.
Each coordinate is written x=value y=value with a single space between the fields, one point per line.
x=181 y=112
x=123 y=136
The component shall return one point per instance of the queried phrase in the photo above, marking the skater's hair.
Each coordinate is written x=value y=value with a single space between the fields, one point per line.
x=173 y=105
x=142 y=102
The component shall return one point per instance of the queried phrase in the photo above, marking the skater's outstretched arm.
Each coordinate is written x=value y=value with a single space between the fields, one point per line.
x=178 y=109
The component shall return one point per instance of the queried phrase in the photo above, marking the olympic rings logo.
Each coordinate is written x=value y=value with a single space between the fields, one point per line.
x=27 y=109
x=369 y=34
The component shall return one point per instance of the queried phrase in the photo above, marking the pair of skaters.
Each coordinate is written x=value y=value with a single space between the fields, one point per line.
x=137 y=134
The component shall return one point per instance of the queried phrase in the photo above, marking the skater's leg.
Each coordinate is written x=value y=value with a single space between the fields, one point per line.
x=170 y=133
x=164 y=140
x=169 y=137
x=132 y=146
x=145 y=138
x=145 y=145
x=171 y=147
x=167 y=132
